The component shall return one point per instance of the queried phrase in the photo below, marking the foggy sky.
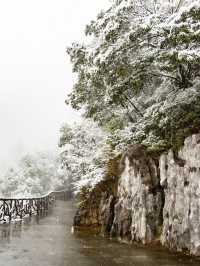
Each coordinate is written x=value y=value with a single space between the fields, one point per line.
x=35 y=73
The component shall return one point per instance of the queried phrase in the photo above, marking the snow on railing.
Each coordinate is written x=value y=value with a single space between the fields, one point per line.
x=13 y=209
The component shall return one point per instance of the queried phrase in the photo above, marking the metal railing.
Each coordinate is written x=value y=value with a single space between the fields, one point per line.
x=13 y=209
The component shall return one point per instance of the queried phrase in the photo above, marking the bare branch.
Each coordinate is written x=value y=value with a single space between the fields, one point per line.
x=179 y=5
x=163 y=75
x=133 y=105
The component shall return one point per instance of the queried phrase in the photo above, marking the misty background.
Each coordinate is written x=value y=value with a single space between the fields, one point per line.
x=35 y=73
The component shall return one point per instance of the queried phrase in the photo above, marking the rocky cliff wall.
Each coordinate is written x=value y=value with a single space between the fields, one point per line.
x=180 y=177
x=152 y=199
x=138 y=207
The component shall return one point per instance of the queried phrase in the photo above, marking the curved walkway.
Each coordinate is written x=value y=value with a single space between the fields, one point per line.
x=48 y=242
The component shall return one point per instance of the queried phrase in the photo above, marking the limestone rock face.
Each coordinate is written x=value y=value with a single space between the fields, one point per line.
x=138 y=210
x=133 y=211
x=180 y=176
x=152 y=199
x=96 y=208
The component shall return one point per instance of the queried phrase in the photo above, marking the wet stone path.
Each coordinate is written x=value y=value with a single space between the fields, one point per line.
x=48 y=242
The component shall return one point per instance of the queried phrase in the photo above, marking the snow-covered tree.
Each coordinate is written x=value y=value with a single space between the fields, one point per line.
x=83 y=154
x=138 y=73
x=35 y=175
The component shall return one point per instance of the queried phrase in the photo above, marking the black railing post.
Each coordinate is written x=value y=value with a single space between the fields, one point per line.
x=10 y=213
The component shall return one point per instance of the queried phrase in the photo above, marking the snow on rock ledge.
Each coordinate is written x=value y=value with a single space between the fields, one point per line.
x=180 y=176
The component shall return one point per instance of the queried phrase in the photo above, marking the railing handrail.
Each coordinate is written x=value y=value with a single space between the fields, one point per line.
x=12 y=208
x=33 y=198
